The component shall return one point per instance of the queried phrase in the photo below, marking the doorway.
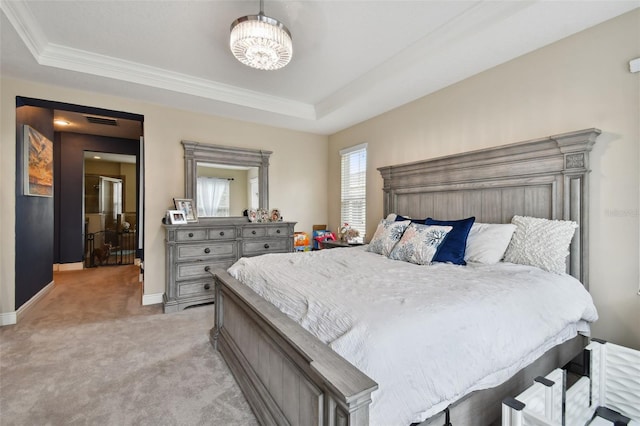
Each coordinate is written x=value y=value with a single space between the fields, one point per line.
x=110 y=207
x=51 y=229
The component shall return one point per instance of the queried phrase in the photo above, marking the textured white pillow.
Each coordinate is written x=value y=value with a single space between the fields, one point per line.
x=387 y=236
x=419 y=243
x=487 y=242
x=542 y=243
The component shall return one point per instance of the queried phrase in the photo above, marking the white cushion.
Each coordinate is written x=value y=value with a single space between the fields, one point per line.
x=542 y=243
x=391 y=217
x=419 y=243
x=387 y=236
x=487 y=242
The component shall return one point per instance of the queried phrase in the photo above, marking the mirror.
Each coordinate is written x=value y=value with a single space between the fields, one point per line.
x=240 y=173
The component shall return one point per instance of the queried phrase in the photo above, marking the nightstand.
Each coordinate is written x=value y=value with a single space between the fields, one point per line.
x=329 y=244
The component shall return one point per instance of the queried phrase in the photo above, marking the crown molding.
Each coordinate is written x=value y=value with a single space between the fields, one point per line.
x=106 y=66
x=64 y=57
x=25 y=25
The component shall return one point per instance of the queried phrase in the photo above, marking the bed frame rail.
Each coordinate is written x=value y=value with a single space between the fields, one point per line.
x=286 y=374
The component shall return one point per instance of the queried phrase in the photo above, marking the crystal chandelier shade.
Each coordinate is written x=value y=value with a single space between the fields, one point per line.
x=261 y=42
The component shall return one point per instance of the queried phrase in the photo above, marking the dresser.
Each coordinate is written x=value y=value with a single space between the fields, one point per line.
x=195 y=249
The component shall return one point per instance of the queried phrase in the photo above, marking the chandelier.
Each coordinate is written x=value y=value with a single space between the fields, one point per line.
x=261 y=42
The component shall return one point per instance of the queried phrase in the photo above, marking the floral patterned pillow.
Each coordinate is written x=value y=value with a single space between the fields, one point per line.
x=420 y=243
x=387 y=236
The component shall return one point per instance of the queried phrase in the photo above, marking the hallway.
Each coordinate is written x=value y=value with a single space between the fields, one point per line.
x=90 y=295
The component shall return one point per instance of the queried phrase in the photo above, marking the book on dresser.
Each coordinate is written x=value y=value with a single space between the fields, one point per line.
x=195 y=249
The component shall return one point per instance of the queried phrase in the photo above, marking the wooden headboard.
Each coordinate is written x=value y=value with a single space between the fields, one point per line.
x=546 y=178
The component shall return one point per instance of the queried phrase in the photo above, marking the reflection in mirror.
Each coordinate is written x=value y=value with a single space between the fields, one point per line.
x=225 y=190
x=224 y=181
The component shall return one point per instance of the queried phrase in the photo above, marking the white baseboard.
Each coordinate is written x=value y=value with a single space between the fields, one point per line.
x=29 y=303
x=9 y=318
x=152 y=299
x=77 y=266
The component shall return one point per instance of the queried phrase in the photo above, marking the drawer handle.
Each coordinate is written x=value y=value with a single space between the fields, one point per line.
x=266 y=246
x=207 y=250
x=277 y=231
x=190 y=234
x=222 y=233
x=253 y=232
x=207 y=286
x=207 y=268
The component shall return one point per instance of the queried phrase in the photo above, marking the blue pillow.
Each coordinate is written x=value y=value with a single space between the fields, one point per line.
x=453 y=247
x=420 y=221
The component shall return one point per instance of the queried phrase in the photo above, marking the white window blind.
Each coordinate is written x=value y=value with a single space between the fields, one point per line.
x=354 y=187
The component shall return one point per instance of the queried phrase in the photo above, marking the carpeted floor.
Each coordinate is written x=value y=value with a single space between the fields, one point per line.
x=89 y=354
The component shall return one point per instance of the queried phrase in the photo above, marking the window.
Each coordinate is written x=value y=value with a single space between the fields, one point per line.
x=254 y=193
x=354 y=187
x=213 y=197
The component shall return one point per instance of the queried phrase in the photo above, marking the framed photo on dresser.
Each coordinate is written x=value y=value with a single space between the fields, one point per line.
x=177 y=217
x=186 y=205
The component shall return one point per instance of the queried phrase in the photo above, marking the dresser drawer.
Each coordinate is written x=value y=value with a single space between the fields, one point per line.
x=196 y=288
x=206 y=250
x=265 y=231
x=191 y=270
x=278 y=231
x=254 y=232
x=254 y=248
x=191 y=234
x=222 y=233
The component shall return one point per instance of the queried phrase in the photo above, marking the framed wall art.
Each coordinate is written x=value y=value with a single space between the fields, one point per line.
x=38 y=163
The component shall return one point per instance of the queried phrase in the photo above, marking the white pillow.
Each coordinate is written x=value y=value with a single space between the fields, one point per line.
x=387 y=236
x=419 y=243
x=487 y=242
x=542 y=243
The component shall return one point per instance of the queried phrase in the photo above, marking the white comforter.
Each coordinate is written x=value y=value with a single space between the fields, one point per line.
x=428 y=335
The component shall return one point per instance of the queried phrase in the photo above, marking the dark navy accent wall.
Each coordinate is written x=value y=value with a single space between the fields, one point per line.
x=34 y=215
x=56 y=197
x=72 y=147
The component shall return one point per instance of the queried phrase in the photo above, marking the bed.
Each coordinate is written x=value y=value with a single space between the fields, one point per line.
x=290 y=376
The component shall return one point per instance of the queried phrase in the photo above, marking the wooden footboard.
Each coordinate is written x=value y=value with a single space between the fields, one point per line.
x=287 y=375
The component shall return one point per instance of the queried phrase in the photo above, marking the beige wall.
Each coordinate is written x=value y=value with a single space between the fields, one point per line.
x=298 y=166
x=128 y=170
x=577 y=83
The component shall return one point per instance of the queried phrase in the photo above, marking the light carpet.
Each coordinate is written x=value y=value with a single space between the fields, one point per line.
x=89 y=354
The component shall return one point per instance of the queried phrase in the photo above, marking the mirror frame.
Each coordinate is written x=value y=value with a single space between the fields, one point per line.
x=197 y=152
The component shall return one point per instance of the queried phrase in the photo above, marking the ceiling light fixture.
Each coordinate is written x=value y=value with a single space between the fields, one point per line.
x=61 y=122
x=261 y=42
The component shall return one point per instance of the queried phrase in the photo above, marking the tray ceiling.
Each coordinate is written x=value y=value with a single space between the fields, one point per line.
x=352 y=60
